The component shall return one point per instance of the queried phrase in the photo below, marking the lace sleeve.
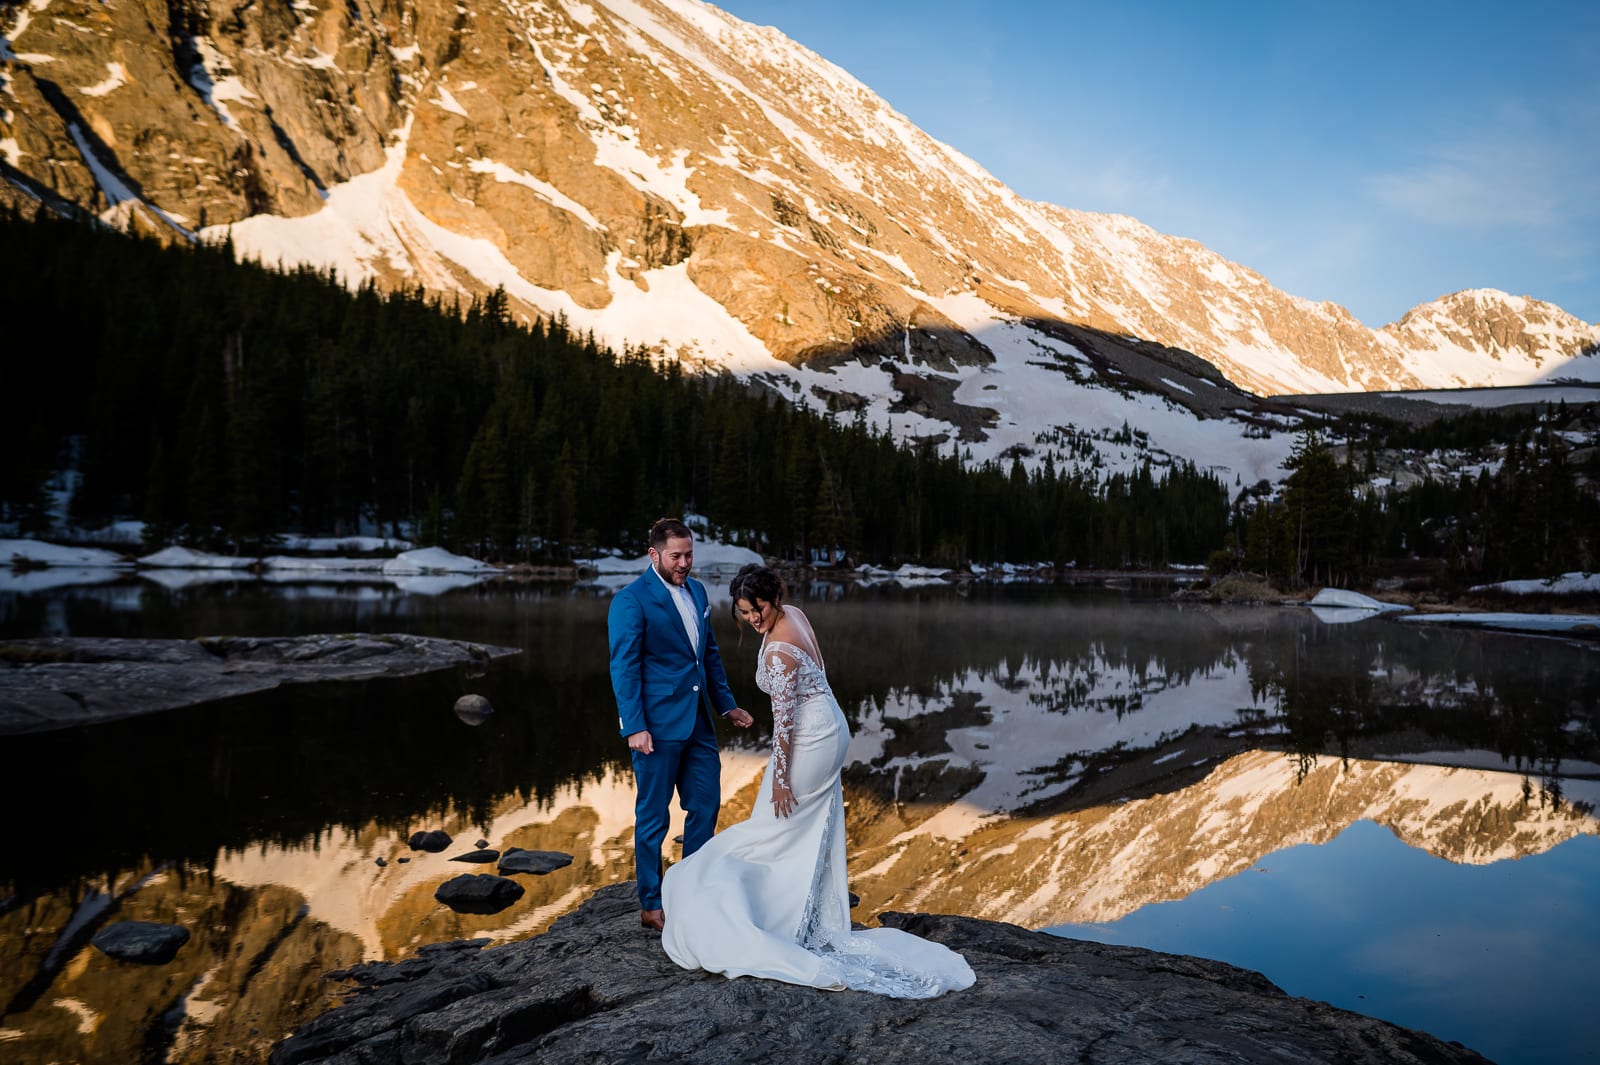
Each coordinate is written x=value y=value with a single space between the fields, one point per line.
x=781 y=681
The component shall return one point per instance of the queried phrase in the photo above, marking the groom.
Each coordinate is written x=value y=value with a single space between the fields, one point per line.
x=668 y=680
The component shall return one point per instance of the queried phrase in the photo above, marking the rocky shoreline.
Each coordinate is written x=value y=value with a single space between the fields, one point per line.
x=596 y=987
x=62 y=682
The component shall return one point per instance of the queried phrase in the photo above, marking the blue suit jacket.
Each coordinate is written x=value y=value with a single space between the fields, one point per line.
x=659 y=680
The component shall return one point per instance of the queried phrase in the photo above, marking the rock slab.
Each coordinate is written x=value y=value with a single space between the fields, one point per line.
x=595 y=987
x=65 y=681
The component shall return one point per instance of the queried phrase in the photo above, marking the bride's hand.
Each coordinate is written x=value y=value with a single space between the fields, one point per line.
x=783 y=801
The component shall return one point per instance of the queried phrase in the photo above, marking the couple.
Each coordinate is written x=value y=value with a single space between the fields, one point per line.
x=767 y=897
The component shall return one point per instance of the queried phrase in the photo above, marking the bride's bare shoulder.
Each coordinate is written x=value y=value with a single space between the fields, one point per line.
x=785 y=627
x=794 y=629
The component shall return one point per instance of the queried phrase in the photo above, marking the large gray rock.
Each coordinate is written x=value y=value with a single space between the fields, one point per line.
x=59 y=682
x=597 y=988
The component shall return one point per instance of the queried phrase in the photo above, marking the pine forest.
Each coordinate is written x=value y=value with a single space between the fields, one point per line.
x=224 y=403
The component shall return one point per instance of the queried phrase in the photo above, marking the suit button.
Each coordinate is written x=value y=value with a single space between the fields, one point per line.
x=697 y=687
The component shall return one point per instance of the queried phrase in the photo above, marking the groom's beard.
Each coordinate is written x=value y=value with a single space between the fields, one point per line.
x=675 y=579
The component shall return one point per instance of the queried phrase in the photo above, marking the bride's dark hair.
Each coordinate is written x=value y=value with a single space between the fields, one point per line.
x=755 y=581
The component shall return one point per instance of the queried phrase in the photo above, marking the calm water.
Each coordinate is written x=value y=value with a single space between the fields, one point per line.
x=1488 y=952
x=1397 y=819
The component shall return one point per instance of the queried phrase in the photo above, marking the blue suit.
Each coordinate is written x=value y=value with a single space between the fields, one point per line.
x=663 y=684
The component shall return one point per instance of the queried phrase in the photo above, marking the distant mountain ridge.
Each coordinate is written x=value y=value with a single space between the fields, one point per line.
x=672 y=177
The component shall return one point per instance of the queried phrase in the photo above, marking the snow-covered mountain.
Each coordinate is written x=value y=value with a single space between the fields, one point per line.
x=672 y=177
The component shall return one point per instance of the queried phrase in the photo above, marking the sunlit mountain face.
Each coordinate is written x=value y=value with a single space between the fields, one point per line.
x=1036 y=756
x=683 y=182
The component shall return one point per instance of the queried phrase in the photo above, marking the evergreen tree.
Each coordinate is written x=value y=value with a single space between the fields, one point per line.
x=223 y=401
x=1319 y=508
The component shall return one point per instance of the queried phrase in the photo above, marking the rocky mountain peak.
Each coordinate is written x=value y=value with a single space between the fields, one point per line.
x=665 y=174
x=1513 y=328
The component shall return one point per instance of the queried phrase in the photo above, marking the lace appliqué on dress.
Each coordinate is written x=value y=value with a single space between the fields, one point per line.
x=791 y=678
x=849 y=960
x=778 y=680
x=794 y=681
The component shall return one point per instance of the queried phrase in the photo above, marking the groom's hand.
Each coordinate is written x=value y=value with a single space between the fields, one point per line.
x=640 y=741
x=740 y=717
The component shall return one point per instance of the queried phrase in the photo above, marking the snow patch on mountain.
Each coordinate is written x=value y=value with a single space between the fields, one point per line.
x=356 y=234
x=790 y=173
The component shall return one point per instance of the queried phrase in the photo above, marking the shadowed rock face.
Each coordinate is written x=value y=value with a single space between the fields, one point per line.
x=597 y=988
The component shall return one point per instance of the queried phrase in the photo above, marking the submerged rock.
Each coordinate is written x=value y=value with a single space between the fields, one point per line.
x=473 y=709
x=482 y=857
x=517 y=860
x=146 y=942
x=593 y=988
x=478 y=893
x=432 y=841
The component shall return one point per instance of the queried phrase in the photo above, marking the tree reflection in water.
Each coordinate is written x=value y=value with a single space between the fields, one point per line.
x=1009 y=741
x=1533 y=701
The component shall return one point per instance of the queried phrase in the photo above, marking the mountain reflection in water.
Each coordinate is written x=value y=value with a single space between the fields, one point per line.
x=1039 y=755
x=1369 y=924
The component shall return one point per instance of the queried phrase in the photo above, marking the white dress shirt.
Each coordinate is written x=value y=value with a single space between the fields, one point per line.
x=685 y=604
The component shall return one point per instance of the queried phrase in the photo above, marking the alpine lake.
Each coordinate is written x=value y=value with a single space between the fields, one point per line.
x=1398 y=818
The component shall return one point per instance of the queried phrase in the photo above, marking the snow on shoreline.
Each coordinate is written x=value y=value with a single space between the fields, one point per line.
x=42 y=566
x=1340 y=599
x=183 y=558
x=1566 y=584
x=1556 y=624
x=434 y=560
x=1336 y=606
x=710 y=556
x=40 y=553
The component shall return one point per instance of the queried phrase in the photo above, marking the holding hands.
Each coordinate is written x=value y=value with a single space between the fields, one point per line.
x=740 y=717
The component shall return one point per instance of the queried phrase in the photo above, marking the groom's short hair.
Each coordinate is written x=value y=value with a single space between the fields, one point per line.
x=668 y=529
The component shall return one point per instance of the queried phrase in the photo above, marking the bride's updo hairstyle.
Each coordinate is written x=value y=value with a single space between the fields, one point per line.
x=755 y=581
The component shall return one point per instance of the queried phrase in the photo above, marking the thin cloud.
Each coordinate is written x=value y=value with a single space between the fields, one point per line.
x=1519 y=172
x=1133 y=184
x=1133 y=181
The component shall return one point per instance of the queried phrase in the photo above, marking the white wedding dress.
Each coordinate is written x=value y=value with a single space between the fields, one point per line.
x=767 y=897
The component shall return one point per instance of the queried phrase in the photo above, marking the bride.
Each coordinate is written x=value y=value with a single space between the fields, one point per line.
x=767 y=897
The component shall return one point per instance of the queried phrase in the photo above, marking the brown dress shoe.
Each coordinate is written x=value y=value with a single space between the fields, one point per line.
x=656 y=919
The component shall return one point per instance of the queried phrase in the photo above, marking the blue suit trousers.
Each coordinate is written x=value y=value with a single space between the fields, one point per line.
x=693 y=769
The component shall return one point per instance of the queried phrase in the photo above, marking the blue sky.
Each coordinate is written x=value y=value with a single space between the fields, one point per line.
x=1375 y=154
